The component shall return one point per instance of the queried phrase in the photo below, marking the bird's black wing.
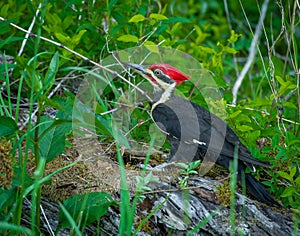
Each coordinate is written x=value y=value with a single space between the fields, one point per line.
x=184 y=121
x=220 y=130
x=187 y=121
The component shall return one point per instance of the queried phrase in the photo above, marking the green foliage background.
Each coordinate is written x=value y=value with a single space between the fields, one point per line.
x=266 y=115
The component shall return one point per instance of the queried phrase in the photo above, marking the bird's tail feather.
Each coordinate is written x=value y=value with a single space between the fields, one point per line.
x=257 y=190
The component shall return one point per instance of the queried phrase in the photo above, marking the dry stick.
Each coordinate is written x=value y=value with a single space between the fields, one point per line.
x=252 y=53
x=26 y=36
x=81 y=56
x=29 y=30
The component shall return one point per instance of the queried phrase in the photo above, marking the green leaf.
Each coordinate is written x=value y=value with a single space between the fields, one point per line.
x=244 y=128
x=137 y=18
x=70 y=220
x=14 y=228
x=120 y=137
x=83 y=116
x=280 y=80
x=32 y=79
x=9 y=196
x=158 y=16
x=8 y=126
x=234 y=114
x=293 y=171
x=206 y=49
x=288 y=191
x=253 y=136
x=297 y=181
x=128 y=38
x=52 y=137
x=285 y=175
x=151 y=46
x=179 y=19
x=243 y=118
x=282 y=152
x=229 y=50
x=66 y=40
x=76 y=38
x=233 y=37
x=86 y=208
x=51 y=72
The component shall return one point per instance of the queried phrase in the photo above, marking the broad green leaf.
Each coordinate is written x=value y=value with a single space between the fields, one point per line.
x=52 y=137
x=8 y=126
x=128 y=38
x=137 y=18
x=86 y=208
x=158 y=16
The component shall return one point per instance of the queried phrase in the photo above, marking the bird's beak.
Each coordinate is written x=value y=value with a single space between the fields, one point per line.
x=138 y=68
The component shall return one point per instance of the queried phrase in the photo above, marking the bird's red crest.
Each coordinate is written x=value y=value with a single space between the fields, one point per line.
x=172 y=72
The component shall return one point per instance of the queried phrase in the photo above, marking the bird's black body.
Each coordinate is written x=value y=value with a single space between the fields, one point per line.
x=194 y=132
x=216 y=140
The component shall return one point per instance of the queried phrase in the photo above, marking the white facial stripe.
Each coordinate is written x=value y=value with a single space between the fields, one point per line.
x=161 y=83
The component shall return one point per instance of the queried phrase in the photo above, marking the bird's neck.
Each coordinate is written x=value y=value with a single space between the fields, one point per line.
x=162 y=96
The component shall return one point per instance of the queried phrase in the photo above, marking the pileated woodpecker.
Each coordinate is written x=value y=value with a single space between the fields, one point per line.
x=194 y=132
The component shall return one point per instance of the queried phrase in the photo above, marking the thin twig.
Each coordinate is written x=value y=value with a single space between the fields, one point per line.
x=81 y=56
x=29 y=30
x=252 y=51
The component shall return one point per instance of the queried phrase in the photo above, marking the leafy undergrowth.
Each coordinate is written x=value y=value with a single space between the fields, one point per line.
x=45 y=100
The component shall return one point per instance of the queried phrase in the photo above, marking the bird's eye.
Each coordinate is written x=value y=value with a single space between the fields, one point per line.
x=157 y=72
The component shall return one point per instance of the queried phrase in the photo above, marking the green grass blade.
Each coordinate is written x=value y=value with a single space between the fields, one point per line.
x=70 y=219
x=15 y=228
